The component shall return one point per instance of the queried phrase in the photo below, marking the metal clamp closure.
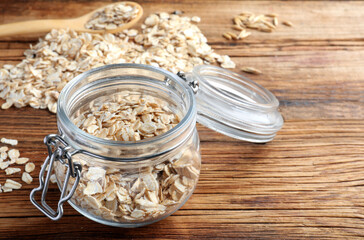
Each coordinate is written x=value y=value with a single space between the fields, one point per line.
x=193 y=84
x=58 y=150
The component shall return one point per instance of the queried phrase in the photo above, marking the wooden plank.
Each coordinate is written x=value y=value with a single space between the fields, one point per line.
x=319 y=19
x=307 y=183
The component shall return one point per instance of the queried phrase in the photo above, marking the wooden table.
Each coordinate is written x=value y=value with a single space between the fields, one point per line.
x=307 y=183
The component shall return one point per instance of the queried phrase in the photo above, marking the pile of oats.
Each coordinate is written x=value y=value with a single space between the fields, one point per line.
x=127 y=116
x=171 y=42
x=10 y=157
x=112 y=17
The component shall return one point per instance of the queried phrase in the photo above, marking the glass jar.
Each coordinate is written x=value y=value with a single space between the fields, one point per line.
x=135 y=183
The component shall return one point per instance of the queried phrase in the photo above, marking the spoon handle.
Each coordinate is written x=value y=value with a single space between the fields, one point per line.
x=33 y=26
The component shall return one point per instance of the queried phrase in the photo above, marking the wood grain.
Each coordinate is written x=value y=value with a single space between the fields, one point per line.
x=306 y=184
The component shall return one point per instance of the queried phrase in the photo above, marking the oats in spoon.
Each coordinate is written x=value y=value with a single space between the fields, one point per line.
x=112 y=17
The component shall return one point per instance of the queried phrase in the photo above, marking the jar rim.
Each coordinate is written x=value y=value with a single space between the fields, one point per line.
x=65 y=95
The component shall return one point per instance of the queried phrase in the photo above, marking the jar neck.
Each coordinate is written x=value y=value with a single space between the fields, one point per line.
x=116 y=77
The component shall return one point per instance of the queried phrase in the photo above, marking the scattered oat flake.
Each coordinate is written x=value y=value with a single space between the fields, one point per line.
x=14 y=154
x=12 y=142
x=29 y=167
x=237 y=27
x=287 y=23
x=12 y=184
x=3 y=156
x=275 y=21
x=244 y=34
x=6 y=189
x=251 y=70
x=26 y=178
x=272 y=15
x=196 y=19
x=4 y=165
x=12 y=170
x=4 y=149
x=21 y=160
x=226 y=62
x=227 y=36
x=233 y=35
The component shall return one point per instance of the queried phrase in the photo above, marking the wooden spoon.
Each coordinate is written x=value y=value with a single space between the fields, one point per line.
x=77 y=24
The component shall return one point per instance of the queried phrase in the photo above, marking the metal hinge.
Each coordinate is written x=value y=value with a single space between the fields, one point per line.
x=193 y=84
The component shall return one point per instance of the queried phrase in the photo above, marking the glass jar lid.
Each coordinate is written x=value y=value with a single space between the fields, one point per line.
x=234 y=105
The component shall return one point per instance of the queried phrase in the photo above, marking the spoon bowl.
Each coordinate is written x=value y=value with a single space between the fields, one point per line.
x=77 y=24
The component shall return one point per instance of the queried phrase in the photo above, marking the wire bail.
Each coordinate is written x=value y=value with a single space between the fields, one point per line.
x=58 y=150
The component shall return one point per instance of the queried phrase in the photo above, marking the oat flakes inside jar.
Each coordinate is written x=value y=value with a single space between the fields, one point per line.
x=127 y=152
